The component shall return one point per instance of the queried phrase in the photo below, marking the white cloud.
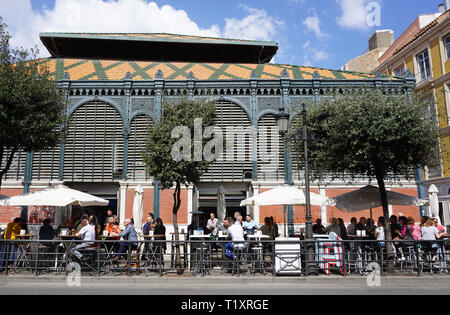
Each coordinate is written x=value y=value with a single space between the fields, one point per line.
x=312 y=23
x=311 y=53
x=258 y=25
x=125 y=16
x=354 y=14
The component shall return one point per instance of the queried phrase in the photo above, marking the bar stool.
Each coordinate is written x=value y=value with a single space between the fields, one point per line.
x=133 y=260
x=257 y=264
x=203 y=263
x=240 y=260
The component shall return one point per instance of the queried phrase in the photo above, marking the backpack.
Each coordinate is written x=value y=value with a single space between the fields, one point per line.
x=229 y=250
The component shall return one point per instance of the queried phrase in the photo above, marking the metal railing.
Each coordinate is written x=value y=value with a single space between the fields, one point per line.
x=213 y=257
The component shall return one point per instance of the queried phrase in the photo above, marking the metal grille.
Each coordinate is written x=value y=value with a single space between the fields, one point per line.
x=136 y=145
x=231 y=115
x=94 y=144
x=273 y=168
x=46 y=165
x=17 y=169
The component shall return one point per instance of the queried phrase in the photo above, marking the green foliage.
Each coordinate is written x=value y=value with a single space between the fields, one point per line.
x=158 y=159
x=31 y=108
x=370 y=131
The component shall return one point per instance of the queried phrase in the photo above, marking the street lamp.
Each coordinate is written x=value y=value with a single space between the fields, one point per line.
x=282 y=119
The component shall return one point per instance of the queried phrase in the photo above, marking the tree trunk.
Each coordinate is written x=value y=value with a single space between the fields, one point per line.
x=387 y=226
x=8 y=162
x=176 y=207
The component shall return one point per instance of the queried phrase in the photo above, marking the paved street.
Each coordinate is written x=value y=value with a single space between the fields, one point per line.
x=430 y=285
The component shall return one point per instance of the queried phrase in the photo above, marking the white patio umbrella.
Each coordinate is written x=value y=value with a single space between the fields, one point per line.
x=138 y=208
x=285 y=196
x=434 y=202
x=368 y=197
x=59 y=196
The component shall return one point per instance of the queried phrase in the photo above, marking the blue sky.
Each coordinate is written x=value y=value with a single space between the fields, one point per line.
x=322 y=33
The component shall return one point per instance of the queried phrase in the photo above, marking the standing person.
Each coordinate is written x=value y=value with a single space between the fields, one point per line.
x=152 y=220
x=212 y=223
x=344 y=235
x=148 y=226
x=351 y=228
x=129 y=235
x=160 y=230
x=275 y=226
x=87 y=233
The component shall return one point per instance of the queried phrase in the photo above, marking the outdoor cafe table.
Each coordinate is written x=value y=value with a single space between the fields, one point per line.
x=359 y=251
x=194 y=246
x=109 y=247
x=67 y=245
x=22 y=249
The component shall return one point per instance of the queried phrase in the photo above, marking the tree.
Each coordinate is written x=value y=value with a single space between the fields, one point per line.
x=175 y=162
x=31 y=108
x=371 y=132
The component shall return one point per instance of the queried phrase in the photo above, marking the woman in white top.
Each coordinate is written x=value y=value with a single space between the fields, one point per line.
x=379 y=232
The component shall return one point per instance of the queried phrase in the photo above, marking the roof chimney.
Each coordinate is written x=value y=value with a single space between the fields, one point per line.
x=381 y=39
x=441 y=8
x=447 y=5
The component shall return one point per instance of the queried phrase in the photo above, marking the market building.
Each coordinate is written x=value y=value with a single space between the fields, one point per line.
x=115 y=86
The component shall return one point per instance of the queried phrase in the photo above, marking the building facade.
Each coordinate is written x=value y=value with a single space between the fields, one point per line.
x=425 y=53
x=115 y=86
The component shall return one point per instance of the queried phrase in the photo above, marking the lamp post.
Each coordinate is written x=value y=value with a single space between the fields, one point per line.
x=282 y=119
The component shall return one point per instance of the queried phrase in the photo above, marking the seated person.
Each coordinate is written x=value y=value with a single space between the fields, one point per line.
x=112 y=228
x=223 y=227
x=129 y=235
x=318 y=228
x=334 y=227
x=46 y=232
x=249 y=225
x=11 y=231
x=87 y=233
x=236 y=233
